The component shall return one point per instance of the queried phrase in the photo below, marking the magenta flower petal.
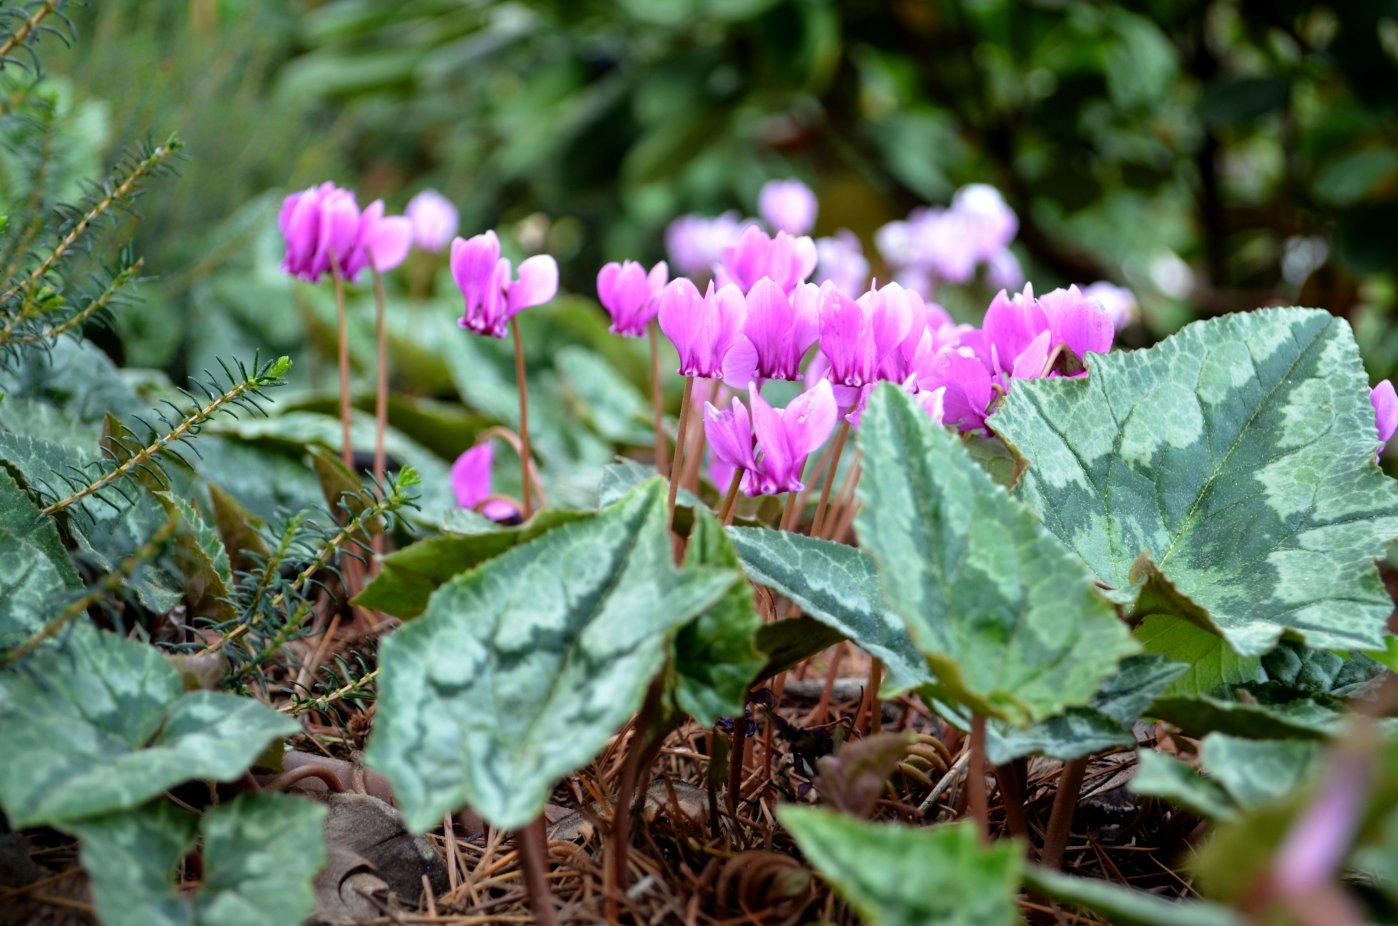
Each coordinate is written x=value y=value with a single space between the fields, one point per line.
x=628 y=293
x=1077 y=322
x=386 y=239
x=1031 y=361
x=537 y=283
x=434 y=220
x=786 y=437
x=470 y=475
x=473 y=263
x=810 y=418
x=729 y=433
x=787 y=205
x=1385 y=403
x=681 y=311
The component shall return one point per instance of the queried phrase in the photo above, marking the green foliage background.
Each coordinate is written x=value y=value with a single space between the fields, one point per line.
x=1252 y=139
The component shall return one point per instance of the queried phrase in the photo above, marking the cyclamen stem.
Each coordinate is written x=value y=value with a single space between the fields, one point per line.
x=511 y=438
x=1061 y=817
x=533 y=844
x=835 y=526
x=730 y=499
x=975 y=778
x=830 y=474
x=637 y=754
x=525 y=461
x=736 y=760
x=791 y=511
x=346 y=450
x=380 y=402
x=694 y=456
x=679 y=446
x=656 y=403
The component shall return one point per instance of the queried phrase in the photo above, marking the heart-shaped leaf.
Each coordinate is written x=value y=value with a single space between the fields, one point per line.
x=1230 y=468
x=1006 y=616
x=260 y=853
x=896 y=875
x=519 y=671
x=103 y=724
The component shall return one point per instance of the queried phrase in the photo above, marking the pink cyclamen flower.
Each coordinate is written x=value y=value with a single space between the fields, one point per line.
x=434 y=220
x=785 y=260
x=696 y=243
x=1119 y=303
x=1021 y=333
x=772 y=445
x=1385 y=402
x=470 y=481
x=492 y=298
x=319 y=224
x=702 y=328
x=383 y=241
x=323 y=225
x=841 y=261
x=628 y=294
x=856 y=336
x=788 y=206
x=777 y=331
x=965 y=385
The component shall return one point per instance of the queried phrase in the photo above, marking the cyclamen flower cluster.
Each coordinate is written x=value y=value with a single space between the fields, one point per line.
x=761 y=319
x=325 y=230
x=937 y=245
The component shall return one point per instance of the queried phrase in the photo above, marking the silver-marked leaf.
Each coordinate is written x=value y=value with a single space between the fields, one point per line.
x=836 y=584
x=1123 y=906
x=624 y=475
x=1159 y=775
x=202 y=559
x=1102 y=725
x=1007 y=618
x=896 y=875
x=1259 y=712
x=103 y=724
x=1255 y=772
x=1235 y=462
x=408 y=577
x=715 y=662
x=260 y=853
x=519 y=671
x=36 y=576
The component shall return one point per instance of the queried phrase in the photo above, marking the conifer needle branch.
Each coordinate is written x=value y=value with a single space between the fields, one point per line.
x=117 y=194
x=270 y=375
x=22 y=34
x=396 y=498
x=110 y=584
x=92 y=308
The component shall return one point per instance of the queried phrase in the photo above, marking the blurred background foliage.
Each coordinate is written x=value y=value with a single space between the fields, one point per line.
x=1212 y=156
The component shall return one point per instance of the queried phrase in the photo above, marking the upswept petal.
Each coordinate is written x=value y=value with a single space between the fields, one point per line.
x=1077 y=321
x=775 y=468
x=809 y=419
x=681 y=314
x=388 y=241
x=1385 y=402
x=729 y=432
x=1030 y=363
x=473 y=263
x=537 y=283
x=1011 y=324
x=470 y=475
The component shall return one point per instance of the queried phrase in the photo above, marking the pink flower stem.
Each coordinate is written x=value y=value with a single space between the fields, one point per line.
x=346 y=451
x=525 y=459
x=380 y=402
x=730 y=499
x=656 y=403
x=533 y=844
x=1061 y=817
x=679 y=446
x=694 y=456
x=976 y=794
x=830 y=474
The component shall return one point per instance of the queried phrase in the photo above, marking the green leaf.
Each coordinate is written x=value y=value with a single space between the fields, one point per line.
x=260 y=853
x=835 y=584
x=1104 y=724
x=519 y=671
x=894 y=875
x=1007 y=618
x=1256 y=772
x=1122 y=906
x=36 y=577
x=714 y=660
x=1159 y=775
x=202 y=560
x=792 y=641
x=103 y=724
x=1236 y=460
x=1210 y=659
x=408 y=577
x=1252 y=715
x=624 y=475
x=604 y=399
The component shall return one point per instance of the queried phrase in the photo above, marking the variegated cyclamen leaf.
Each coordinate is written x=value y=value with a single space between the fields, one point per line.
x=103 y=724
x=1228 y=471
x=36 y=576
x=260 y=853
x=1007 y=618
x=519 y=671
x=836 y=584
x=898 y=875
